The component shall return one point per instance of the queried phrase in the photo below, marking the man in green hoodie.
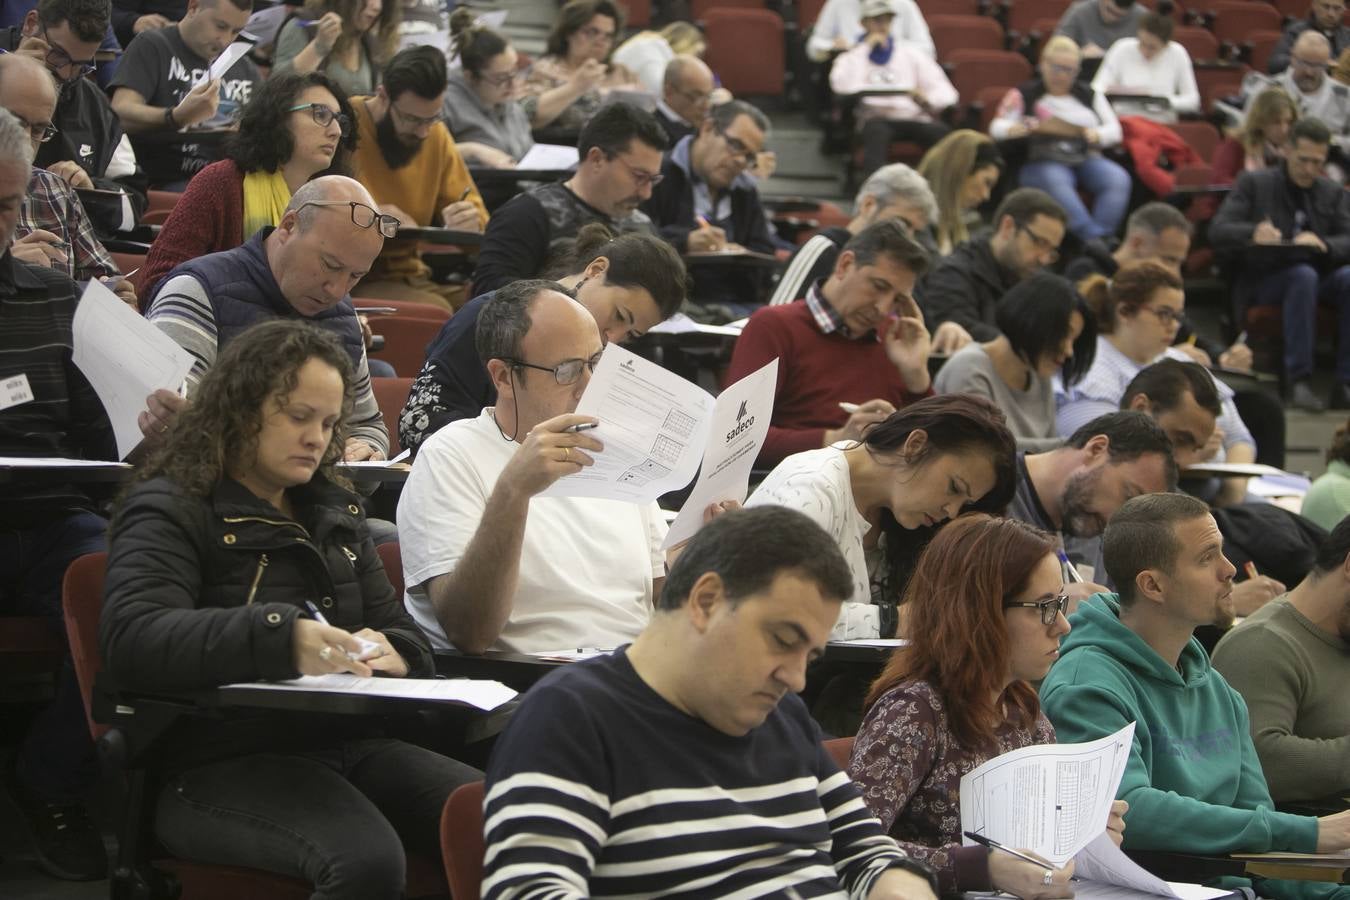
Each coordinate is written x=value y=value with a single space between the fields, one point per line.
x=1193 y=781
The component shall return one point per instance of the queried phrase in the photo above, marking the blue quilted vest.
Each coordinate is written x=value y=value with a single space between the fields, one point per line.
x=243 y=293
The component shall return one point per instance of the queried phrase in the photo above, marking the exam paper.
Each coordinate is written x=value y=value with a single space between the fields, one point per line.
x=226 y=60
x=125 y=358
x=483 y=694
x=1051 y=799
x=548 y=157
x=1109 y=874
x=740 y=422
x=654 y=426
x=682 y=324
x=57 y=462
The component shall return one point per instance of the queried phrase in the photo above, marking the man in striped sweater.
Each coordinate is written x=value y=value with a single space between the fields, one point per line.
x=685 y=763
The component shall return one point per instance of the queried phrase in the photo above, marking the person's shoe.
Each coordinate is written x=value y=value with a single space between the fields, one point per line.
x=1340 y=397
x=1301 y=396
x=68 y=845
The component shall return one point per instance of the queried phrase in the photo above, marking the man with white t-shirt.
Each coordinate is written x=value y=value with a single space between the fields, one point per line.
x=487 y=562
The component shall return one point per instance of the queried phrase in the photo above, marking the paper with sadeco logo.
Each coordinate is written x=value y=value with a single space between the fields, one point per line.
x=655 y=427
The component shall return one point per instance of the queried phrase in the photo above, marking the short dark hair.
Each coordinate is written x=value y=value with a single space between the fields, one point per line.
x=1310 y=129
x=749 y=548
x=88 y=19
x=1331 y=552
x=1142 y=535
x=1130 y=435
x=574 y=16
x=724 y=114
x=638 y=260
x=263 y=143
x=888 y=238
x=1157 y=24
x=614 y=127
x=1167 y=380
x=1036 y=315
x=417 y=69
x=1025 y=204
x=474 y=44
x=504 y=320
x=1156 y=217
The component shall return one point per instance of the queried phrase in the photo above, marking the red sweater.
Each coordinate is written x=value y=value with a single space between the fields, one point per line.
x=208 y=218
x=816 y=372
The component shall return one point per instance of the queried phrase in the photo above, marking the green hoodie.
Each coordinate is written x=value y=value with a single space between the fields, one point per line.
x=1193 y=780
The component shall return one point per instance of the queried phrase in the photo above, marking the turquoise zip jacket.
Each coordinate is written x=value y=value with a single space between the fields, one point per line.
x=1193 y=780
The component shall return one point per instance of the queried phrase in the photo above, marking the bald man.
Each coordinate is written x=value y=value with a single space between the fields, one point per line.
x=54 y=231
x=1315 y=92
x=685 y=96
x=305 y=267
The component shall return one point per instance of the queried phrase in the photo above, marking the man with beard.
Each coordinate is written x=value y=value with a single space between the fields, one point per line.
x=408 y=161
x=620 y=149
x=49 y=409
x=1075 y=489
x=1193 y=780
x=960 y=295
x=1289 y=661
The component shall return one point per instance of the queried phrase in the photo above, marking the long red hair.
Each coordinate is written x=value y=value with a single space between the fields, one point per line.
x=958 y=640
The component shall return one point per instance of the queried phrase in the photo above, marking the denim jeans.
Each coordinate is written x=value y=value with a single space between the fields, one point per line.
x=1107 y=182
x=339 y=818
x=56 y=759
x=1298 y=290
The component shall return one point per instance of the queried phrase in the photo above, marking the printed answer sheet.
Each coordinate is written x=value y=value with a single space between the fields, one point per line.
x=125 y=358
x=740 y=423
x=1108 y=874
x=654 y=426
x=483 y=694
x=1051 y=799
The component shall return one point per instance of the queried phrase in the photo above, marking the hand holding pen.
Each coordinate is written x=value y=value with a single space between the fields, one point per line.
x=1023 y=874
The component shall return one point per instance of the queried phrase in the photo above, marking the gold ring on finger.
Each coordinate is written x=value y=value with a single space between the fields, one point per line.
x=567 y=453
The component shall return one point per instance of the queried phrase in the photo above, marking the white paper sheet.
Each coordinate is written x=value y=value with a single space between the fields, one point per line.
x=654 y=426
x=57 y=462
x=573 y=653
x=125 y=358
x=549 y=157
x=226 y=60
x=682 y=324
x=740 y=423
x=1102 y=863
x=493 y=19
x=884 y=643
x=483 y=694
x=1051 y=799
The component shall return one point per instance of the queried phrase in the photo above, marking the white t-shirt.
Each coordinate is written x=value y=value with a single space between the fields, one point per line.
x=1169 y=74
x=817 y=483
x=586 y=566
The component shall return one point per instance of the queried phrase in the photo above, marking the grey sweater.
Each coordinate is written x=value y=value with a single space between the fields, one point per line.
x=1030 y=413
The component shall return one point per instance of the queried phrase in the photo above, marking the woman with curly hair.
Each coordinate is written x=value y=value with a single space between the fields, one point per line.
x=296 y=128
x=347 y=40
x=233 y=529
x=986 y=612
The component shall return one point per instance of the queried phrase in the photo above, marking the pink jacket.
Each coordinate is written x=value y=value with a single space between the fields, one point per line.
x=853 y=72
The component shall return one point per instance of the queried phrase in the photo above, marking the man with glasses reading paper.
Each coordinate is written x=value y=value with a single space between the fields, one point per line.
x=305 y=267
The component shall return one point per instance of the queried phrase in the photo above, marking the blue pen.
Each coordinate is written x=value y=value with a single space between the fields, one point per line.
x=1069 y=567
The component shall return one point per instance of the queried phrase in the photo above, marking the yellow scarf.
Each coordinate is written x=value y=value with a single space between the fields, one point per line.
x=265 y=199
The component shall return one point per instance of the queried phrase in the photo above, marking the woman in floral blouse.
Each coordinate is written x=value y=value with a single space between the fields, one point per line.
x=987 y=611
x=566 y=86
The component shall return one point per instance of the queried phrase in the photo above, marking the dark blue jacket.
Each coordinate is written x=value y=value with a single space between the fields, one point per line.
x=453 y=383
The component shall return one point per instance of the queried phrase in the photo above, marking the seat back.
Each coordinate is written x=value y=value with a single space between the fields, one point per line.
x=700 y=8
x=158 y=205
x=952 y=33
x=1234 y=20
x=987 y=102
x=931 y=8
x=392 y=560
x=1200 y=43
x=391 y=394
x=807 y=13
x=1263 y=44
x=462 y=845
x=404 y=308
x=973 y=70
x=1217 y=82
x=405 y=342
x=730 y=32
x=1202 y=137
x=81 y=603
x=840 y=749
x=639 y=13
x=1024 y=14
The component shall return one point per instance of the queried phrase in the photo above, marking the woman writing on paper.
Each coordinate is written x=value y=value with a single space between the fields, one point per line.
x=986 y=612
x=227 y=555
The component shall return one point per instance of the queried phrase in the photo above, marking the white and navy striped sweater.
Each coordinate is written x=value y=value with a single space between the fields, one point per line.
x=600 y=788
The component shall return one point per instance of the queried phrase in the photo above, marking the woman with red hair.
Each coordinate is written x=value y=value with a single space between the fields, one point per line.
x=986 y=610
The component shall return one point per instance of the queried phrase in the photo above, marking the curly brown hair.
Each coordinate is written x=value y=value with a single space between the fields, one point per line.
x=222 y=423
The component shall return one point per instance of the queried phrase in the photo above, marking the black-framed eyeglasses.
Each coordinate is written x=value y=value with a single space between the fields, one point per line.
x=1167 y=316
x=59 y=58
x=501 y=79
x=565 y=373
x=1042 y=244
x=1050 y=609
x=40 y=133
x=641 y=177
x=739 y=148
x=363 y=216
x=324 y=115
x=416 y=121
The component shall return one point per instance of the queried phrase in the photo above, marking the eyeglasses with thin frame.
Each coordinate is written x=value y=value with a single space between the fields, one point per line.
x=40 y=133
x=1043 y=244
x=1167 y=316
x=739 y=149
x=363 y=216
x=501 y=80
x=695 y=97
x=58 y=58
x=1050 y=609
x=1309 y=65
x=641 y=177
x=565 y=373
x=416 y=121
x=323 y=115
x=1061 y=69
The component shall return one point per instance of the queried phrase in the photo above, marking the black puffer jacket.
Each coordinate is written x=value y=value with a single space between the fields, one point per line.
x=205 y=592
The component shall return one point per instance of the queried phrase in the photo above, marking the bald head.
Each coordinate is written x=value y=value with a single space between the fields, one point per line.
x=327 y=189
x=28 y=91
x=1312 y=41
x=1308 y=61
x=318 y=253
x=687 y=87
